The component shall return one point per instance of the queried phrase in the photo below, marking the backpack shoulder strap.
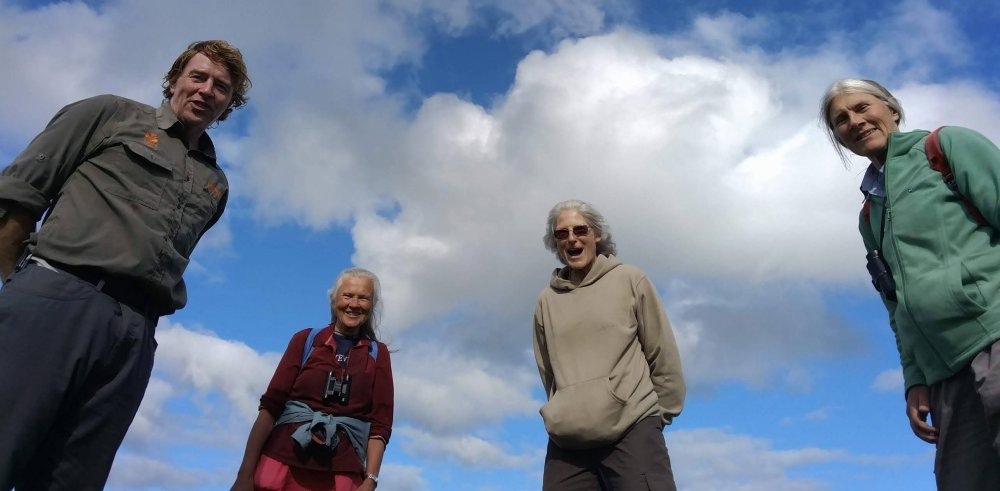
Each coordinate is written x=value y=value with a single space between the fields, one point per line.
x=937 y=159
x=307 y=349
x=939 y=162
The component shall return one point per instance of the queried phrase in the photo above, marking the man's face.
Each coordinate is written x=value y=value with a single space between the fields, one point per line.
x=201 y=93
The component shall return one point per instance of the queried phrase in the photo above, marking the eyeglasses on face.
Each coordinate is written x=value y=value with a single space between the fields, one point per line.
x=578 y=231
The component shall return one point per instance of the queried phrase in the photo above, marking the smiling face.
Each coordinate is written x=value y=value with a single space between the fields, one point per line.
x=200 y=94
x=862 y=123
x=577 y=251
x=352 y=304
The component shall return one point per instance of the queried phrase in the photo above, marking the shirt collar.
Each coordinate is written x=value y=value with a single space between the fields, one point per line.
x=874 y=181
x=166 y=120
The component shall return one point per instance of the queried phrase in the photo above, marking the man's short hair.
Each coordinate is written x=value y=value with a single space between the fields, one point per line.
x=221 y=53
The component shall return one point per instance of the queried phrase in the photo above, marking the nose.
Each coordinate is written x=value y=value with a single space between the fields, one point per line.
x=205 y=87
x=856 y=120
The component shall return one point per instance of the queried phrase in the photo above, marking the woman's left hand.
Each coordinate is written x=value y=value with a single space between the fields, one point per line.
x=367 y=485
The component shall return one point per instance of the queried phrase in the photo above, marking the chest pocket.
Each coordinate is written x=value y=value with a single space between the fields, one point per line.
x=204 y=189
x=136 y=173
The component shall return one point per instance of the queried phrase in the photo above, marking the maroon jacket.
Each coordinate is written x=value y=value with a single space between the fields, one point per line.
x=371 y=399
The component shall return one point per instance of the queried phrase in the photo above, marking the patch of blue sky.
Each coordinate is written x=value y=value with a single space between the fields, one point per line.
x=476 y=65
x=278 y=287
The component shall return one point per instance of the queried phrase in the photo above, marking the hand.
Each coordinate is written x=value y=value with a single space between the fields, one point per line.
x=15 y=225
x=367 y=485
x=918 y=407
x=243 y=483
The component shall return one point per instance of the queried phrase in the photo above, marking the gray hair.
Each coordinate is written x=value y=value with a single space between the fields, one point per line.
x=370 y=328
x=854 y=86
x=594 y=219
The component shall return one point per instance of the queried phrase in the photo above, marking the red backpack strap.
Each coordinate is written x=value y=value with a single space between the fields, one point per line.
x=866 y=211
x=937 y=158
x=939 y=162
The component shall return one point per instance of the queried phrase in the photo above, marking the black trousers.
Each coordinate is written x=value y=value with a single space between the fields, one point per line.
x=639 y=461
x=74 y=365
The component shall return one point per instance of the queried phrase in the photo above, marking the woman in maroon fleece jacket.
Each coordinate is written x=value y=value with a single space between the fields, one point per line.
x=324 y=424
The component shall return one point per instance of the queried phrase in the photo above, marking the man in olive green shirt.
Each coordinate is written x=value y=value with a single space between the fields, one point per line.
x=128 y=190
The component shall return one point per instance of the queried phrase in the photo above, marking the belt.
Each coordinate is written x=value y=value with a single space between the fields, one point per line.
x=121 y=288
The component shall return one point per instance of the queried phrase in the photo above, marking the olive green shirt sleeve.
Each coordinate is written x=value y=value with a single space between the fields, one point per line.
x=38 y=173
x=660 y=350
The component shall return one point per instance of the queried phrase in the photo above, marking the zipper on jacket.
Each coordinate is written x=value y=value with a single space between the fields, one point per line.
x=887 y=210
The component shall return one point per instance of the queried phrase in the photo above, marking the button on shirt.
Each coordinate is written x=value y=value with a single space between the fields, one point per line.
x=124 y=193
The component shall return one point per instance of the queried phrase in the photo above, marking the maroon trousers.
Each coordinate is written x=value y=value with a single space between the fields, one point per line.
x=639 y=461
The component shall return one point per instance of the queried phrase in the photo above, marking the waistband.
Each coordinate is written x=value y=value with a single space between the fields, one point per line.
x=121 y=288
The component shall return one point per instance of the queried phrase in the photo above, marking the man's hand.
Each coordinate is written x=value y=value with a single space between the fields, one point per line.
x=15 y=226
x=918 y=407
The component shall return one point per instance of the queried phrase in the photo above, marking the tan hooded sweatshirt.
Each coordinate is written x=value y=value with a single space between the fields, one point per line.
x=606 y=355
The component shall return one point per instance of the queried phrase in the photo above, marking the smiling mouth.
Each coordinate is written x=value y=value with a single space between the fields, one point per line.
x=864 y=134
x=575 y=252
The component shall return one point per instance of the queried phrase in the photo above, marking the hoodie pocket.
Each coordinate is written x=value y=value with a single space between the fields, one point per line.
x=584 y=415
x=950 y=294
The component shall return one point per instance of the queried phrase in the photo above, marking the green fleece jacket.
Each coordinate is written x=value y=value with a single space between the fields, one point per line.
x=606 y=355
x=946 y=266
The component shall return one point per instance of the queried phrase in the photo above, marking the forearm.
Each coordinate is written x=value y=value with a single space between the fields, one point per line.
x=259 y=432
x=15 y=226
x=376 y=449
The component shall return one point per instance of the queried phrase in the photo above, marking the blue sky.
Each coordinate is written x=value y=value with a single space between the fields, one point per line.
x=427 y=139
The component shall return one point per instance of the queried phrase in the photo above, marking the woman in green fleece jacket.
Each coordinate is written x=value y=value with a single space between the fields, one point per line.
x=937 y=269
x=608 y=361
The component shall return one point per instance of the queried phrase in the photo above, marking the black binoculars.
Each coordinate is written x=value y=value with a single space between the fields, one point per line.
x=881 y=276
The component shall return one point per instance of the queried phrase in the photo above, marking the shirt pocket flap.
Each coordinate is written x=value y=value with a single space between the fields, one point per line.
x=148 y=154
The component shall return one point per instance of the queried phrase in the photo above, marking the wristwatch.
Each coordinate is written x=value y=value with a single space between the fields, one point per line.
x=374 y=479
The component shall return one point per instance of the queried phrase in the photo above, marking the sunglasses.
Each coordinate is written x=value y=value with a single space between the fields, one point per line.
x=578 y=231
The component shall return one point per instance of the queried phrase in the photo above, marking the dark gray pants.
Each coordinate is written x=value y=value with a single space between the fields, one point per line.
x=965 y=409
x=639 y=461
x=74 y=364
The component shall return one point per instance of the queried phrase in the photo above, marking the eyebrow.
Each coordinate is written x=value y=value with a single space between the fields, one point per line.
x=218 y=81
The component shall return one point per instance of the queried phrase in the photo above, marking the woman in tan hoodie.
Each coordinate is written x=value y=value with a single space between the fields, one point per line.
x=608 y=361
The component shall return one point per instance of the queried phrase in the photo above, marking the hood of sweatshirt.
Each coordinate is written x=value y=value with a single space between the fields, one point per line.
x=602 y=264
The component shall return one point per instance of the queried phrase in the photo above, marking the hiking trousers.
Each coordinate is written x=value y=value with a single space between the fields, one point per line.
x=74 y=364
x=637 y=462
x=965 y=409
